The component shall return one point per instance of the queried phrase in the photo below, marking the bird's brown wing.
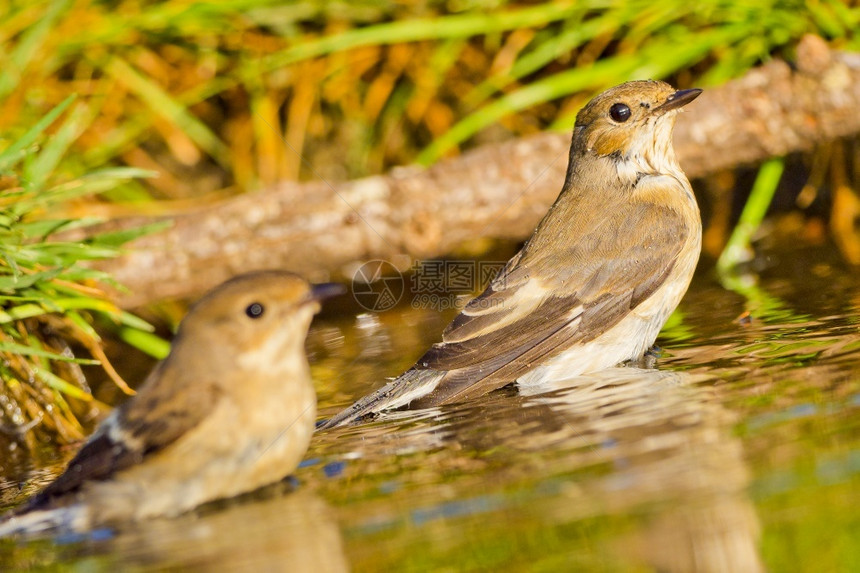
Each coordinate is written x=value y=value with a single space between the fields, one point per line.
x=163 y=411
x=573 y=297
x=547 y=298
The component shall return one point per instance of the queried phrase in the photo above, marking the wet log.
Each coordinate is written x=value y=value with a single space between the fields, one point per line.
x=322 y=229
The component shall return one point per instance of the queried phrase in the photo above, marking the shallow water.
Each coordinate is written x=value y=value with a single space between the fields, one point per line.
x=739 y=452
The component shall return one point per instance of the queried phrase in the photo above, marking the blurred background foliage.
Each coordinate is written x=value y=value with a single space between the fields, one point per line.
x=231 y=96
x=218 y=98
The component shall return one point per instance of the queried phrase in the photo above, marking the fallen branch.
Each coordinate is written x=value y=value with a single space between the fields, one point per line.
x=321 y=228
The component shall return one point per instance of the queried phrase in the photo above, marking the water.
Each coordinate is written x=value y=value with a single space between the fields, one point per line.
x=738 y=453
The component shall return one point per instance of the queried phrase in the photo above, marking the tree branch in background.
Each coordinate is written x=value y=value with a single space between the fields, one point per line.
x=499 y=191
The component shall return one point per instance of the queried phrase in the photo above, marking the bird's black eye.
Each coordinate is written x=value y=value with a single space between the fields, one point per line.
x=255 y=310
x=619 y=112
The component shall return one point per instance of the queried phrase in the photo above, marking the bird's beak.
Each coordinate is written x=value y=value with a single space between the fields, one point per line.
x=323 y=291
x=678 y=99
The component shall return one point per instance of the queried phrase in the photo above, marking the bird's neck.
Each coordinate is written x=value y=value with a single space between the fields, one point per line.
x=626 y=162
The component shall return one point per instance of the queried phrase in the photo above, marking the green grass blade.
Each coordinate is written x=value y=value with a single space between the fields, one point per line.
x=55 y=382
x=417 y=29
x=164 y=105
x=21 y=312
x=737 y=249
x=48 y=305
x=15 y=348
x=13 y=154
x=15 y=65
x=20 y=281
x=147 y=342
x=40 y=169
x=544 y=53
x=41 y=229
x=658 y=60
x=132 y=321
x=126 y=135
x=119 y=238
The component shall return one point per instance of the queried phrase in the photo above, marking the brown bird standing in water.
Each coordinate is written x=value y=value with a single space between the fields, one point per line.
x=597 y=280
x=231 y=409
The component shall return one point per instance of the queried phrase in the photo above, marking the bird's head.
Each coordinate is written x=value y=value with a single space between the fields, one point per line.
x=264 y=313
x=632 y=122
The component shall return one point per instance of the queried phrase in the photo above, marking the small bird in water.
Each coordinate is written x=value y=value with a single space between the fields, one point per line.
x=596 y=281
x=232 y=408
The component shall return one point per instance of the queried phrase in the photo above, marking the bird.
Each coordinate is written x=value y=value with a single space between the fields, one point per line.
x=596 y=281
x=231 y=408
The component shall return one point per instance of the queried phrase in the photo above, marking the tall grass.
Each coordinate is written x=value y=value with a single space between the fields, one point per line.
x=206 y=93
x=50 y=301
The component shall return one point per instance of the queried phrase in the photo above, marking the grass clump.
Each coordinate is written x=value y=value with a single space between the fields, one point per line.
x=49 y=300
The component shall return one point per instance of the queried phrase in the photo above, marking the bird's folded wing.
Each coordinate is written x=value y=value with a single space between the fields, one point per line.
x=506 y=331
x=541 y=303
x=159 y=415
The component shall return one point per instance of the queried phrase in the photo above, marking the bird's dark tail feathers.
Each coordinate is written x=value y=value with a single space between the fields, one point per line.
x=410 y=385
x=41 y=521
